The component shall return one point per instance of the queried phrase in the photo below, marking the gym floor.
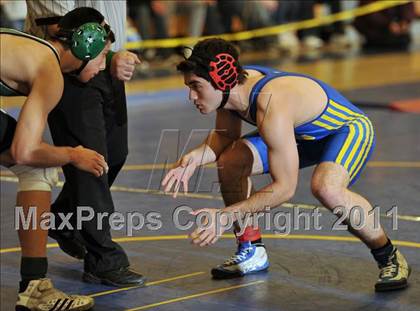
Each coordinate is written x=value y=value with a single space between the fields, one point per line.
x=310 y=269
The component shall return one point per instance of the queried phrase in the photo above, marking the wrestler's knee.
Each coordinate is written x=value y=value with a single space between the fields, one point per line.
x=35 y=179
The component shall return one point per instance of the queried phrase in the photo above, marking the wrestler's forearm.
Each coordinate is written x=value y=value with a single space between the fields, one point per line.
x=210 y=150
x=203 y=155
x=45 y=155
x=218 y=143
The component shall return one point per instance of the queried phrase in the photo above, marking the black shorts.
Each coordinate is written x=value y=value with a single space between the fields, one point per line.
x=7 y=130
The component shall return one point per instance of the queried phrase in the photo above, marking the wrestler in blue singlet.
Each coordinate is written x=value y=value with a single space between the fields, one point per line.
x=342 y=133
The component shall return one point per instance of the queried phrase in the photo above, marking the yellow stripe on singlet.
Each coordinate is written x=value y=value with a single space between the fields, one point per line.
x=345 y=109
x=323 y=125
x=339 y=114
x=356 y=146
x=334 y=121
x=339 y=122
x=363 y=146
x=363 y=153
x=362 y=161
x=347 y=143
x=366 y=144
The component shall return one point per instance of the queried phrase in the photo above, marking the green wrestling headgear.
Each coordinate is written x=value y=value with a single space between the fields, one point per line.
x=81 y=30
x=88 y=41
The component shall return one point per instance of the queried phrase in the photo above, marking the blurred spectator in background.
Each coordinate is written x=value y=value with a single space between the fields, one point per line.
x=13 y=14
x=4 y=19
x=229 y=10
x=158 y=19
x=386 y=29
x=334 y=33
x=310 y=37
x=247 y=15
x=151 y=19
x=289 y=11
x=195 y=19
x=193 y=12
x=214 y=22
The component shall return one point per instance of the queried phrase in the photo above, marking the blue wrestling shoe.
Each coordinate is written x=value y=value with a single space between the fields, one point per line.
x=250 y=258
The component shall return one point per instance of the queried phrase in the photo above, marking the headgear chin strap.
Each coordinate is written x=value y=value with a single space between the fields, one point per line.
x=78 y=71
x=224 y=75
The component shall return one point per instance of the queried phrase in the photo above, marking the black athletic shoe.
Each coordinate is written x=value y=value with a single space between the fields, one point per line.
x=69 y=243
x=122 y=277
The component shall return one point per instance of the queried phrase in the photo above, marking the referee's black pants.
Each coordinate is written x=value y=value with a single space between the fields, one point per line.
x=93 y=115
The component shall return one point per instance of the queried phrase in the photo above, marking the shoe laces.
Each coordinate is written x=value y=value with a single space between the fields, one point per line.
x=240 y=255
x=390 y=269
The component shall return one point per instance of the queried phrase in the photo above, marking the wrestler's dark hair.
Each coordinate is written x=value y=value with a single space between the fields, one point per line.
x=76 y=18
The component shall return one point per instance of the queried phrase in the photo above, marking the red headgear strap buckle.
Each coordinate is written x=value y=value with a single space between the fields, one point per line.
x=223 y=72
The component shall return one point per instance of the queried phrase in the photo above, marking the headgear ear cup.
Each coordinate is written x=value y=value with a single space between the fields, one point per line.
x=88 y=41
x=224 y=75
x=223 y=72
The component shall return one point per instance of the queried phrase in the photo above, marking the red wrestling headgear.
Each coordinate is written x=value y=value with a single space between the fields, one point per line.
x=223 y=72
